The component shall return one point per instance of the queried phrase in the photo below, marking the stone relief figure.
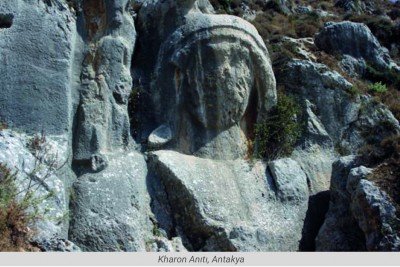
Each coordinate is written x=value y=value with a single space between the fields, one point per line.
x=105 y=81
x=213 y=82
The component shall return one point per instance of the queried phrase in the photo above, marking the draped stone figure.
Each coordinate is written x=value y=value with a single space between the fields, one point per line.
x=213 y=82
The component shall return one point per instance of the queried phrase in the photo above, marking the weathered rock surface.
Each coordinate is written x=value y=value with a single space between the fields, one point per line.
x=361 y=216
x=357 y=6
x=289 y=179
x=340 y=231
x=231 y=205
x=333 y=116
x=57 y=244
x=36 y=63
x=202 y=81
x=162 y=244
x=354 y=67
x=354 y=39
x=109 y=210
x=376 y=216
x=105 y=83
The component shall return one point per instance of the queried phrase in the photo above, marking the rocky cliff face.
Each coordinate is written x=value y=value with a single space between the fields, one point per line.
x=141 y=116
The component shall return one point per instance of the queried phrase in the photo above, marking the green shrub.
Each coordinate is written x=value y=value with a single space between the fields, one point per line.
x=277 y=135
x=377 y=88
x=388 y=77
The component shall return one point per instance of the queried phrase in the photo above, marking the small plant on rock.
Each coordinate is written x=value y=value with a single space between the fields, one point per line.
x=277 y=135
x=354 y=91
x=377 y=88
x=14 y=216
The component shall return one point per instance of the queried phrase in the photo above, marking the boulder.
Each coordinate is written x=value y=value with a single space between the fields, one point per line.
x=316 y=162
x=376 y=216
x=110 y=209
x=289 y=179
x=361 y=217
x=340 y=230
x=232 y=205
x=354 y=39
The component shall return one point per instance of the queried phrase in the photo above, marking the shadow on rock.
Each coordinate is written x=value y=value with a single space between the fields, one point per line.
x=317 y=208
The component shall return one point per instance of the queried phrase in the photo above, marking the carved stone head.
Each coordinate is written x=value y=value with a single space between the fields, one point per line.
x=213 y=82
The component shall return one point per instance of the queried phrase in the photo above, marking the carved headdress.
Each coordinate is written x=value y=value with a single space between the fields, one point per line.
x=213 y=73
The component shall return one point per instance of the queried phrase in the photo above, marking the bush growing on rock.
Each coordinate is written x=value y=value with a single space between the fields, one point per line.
x=377 y=88
x=14 y=217
x=277 y=135
x=388 y=77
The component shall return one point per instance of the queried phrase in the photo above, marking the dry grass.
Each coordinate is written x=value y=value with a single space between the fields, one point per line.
x=14 y=218
x=385 y=157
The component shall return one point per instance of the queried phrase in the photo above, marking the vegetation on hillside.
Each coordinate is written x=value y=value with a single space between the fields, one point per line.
x=276 y=136
x=15 y=220
x=384 y=157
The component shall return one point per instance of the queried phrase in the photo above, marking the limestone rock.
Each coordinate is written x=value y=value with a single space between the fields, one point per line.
x=354 y=39
x=109 y=209
x=36 y=55
x=323 y=88
x=345 y=118
x=58 y=245
x=352 y=66
x=289 y=179
x=340 y=231
x=231 y=205
x=355 y=177
x=103 y=124
x=316 y=162
x=160 y=136
x=376 y=216
x=361 y=216
x=356 y=6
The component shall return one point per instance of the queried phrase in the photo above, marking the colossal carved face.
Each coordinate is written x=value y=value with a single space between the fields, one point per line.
x=217 y=83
